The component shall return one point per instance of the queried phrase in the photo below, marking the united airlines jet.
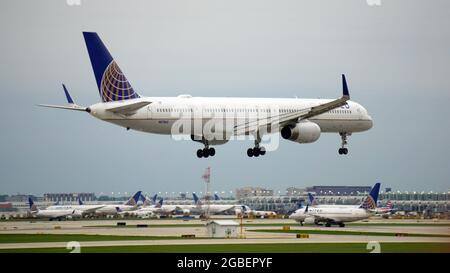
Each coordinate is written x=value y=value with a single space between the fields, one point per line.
x=213 y=121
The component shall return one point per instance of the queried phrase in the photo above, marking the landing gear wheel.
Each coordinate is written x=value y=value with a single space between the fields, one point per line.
x=199 y=153
x=328 y=225
x=345 y=151
x=262 y=151
x=250 y=152
x=340 y=151
x=256 y=152
x=212 y=151
x=205 y=153
x=341 y=224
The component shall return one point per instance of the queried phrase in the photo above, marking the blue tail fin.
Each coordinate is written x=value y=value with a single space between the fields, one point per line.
x=370 y=202
x=216 y=197
x=196 y=200
x=111 y=82
x=159 y=204
x=134 y=200
x=300 y=204
x=32 y=205
x=154 y=198
x=79 y=201
x=312 y=200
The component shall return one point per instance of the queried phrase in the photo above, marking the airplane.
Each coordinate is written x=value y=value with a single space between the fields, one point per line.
x=246 y=210
x=145 y=212
x=84 y=209
x=202 y=119
x=52 y=214
x=111 y=209
x=338 y=214
x=213 y=208
x=385 y=210
x=148 y=202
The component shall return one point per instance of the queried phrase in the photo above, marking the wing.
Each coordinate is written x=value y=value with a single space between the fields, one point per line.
x=294 y=117
x=93 y=209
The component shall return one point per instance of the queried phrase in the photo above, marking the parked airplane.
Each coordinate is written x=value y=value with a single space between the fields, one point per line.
x=246 y=210
x=213 y=208
x=111 y=209
x=385 y=210
x=203 y=118
x=145 y=212
x=338 y=214
x=85 y=209
x=53 y=214
x=148 y=202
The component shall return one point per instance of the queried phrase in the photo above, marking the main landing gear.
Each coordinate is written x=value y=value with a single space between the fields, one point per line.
x=256 y=151
x=206 y=152
x=343 y=150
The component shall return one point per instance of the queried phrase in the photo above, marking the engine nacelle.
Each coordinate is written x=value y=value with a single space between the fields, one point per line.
x=302 y=132
x=186 y=212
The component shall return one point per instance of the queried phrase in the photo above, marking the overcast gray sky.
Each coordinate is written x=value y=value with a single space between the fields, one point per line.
x=396 y=57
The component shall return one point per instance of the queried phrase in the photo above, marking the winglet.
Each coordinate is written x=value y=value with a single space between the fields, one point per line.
x=69 y=98
x=344 y=87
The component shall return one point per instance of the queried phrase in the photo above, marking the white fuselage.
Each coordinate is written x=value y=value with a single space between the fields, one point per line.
x=75 y=207
x=160 y=116
x=338 y=214
x=59 y=213
x=111 y=209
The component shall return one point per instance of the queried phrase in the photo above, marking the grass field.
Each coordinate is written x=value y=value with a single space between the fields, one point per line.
x=346 y=232
x=254 y=248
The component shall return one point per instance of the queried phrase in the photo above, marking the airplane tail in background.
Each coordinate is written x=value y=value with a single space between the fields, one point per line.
x=312 y=200
x=111 y=82
x=148 y=202
x=159 y=204
x=196 y=200
x=216 y=197
x=134 y=200
x=370 y=202
x=389 y=204
x=300 y=204
x=33 y=207
x=79 y=201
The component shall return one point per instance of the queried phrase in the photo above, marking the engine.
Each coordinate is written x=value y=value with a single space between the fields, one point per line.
x=186 y=212
x=302 y=132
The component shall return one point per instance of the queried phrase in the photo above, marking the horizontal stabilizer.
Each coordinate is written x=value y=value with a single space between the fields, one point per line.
x=129 y=108
x=68 y=107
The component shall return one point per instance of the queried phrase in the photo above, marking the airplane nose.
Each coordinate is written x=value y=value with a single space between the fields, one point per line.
x=369 y=122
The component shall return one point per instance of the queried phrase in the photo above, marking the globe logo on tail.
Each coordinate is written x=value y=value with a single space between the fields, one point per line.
x=115 y=86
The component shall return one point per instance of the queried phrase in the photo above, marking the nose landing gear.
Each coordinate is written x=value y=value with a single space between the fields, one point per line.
x=343 y=150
